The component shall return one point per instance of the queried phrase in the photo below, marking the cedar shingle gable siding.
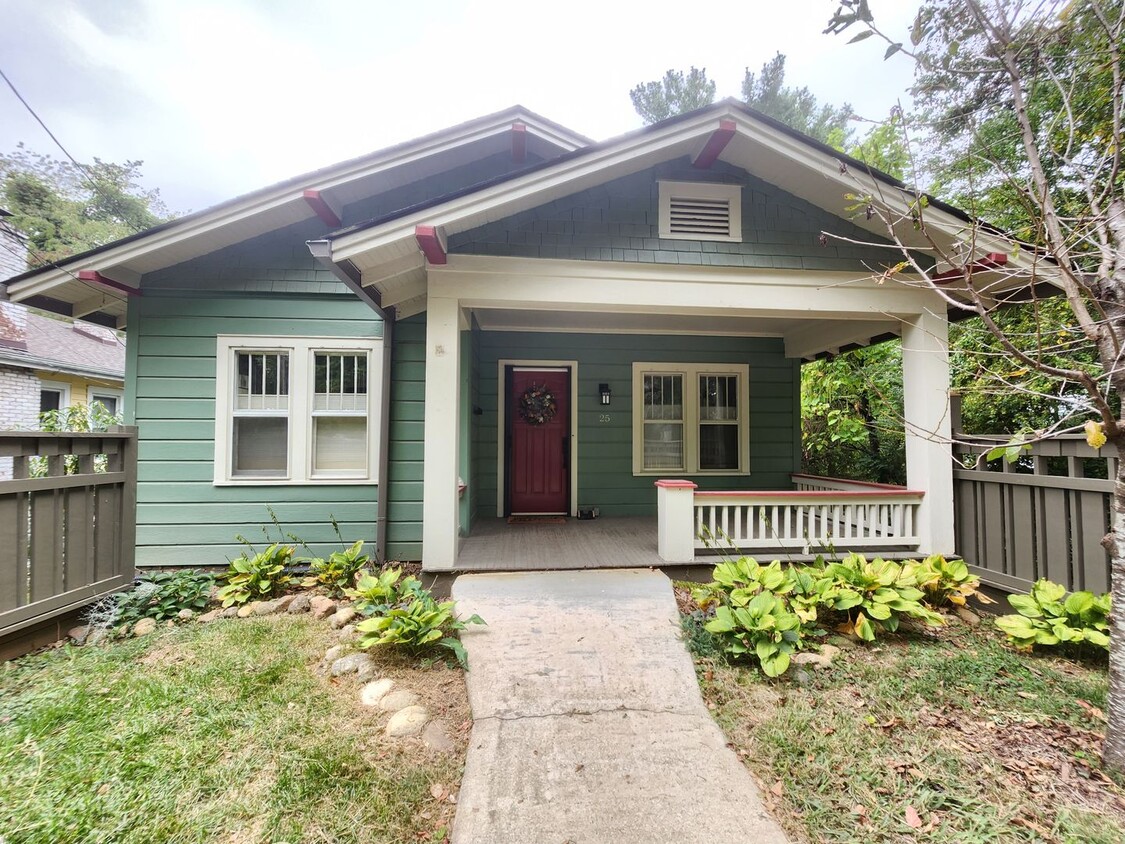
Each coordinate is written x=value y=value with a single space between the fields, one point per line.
x=618 y=221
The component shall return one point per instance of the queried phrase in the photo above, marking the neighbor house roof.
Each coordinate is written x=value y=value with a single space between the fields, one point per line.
x=30 y=340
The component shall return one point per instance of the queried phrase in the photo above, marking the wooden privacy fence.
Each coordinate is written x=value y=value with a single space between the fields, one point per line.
x=1041 y=517
x=67 y=536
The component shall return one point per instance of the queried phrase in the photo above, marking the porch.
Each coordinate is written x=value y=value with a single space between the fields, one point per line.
x=819 y=515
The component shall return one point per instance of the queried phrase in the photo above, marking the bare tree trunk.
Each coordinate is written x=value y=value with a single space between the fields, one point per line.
x=1113 y=754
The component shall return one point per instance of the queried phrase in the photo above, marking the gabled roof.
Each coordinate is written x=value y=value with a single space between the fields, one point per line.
x=277 y=206
x=32 y=341
x=385 y=251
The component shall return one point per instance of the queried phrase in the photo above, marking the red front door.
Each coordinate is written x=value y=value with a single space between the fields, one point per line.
x=539 y=426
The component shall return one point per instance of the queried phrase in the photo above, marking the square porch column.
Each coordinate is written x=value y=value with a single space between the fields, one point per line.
x=929 y=453
x=440 y=518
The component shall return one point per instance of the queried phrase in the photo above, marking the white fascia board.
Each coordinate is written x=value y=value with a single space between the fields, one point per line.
x=629 y=156
x=817 y=336
x=329 y=178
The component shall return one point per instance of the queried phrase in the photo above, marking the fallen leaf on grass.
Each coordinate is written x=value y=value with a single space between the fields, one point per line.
x=1091 y=710
x=912 y=819
x=777 y=788
x=437 y=791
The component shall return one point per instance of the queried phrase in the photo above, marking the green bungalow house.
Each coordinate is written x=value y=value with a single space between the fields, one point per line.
x=461 y=346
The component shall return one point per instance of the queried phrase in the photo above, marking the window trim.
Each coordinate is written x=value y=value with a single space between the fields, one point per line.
x=94 y=393
x=700 y=190
x=60 y=387
x=691 y=373
x=302 y=369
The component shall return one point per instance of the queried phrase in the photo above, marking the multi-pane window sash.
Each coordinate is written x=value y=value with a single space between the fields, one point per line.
x=690 y=419
x=295 y=410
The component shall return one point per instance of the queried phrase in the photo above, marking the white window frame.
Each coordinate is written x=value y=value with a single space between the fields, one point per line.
x=302 y=370
x=691 y=373
x=699 y=190
x=95 y=393
x=60 y=387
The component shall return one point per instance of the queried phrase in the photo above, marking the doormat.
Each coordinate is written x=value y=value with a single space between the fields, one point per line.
x=537 y=520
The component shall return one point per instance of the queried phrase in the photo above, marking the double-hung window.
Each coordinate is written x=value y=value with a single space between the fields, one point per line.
x=690 y=419
x=295 y=410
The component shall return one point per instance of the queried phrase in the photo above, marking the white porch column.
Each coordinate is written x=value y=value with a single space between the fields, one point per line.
x=442 y=434
x=929 y=454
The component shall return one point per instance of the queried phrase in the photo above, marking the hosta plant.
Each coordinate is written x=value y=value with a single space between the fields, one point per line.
x=337 y=572
x=416 y=626
x=875 y=595
x=736 y=582
x=253 y=578
x=946 y=581
x=764 y=626
x=1048 y=616
x=377 y=593
x=162 y=595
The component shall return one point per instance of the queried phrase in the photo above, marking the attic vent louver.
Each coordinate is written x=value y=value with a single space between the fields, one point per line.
x=700 y=211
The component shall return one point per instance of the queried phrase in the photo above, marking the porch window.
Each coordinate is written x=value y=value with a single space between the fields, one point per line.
x=294 y=410
x=690 y=419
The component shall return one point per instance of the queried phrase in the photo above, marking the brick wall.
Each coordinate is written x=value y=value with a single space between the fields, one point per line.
x=19 y=409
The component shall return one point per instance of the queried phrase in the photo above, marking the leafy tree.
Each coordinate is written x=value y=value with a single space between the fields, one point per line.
x=63 y=209
x=796 y=107
x=1031 y=98
x=675 y=94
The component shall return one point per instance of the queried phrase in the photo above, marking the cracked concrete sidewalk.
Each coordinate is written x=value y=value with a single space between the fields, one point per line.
x=588 y=723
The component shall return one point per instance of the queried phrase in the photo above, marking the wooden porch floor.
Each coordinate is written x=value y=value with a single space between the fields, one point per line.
x=623 y=542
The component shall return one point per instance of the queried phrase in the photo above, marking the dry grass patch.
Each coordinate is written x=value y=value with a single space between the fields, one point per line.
x=923 y=738
x=222 y=732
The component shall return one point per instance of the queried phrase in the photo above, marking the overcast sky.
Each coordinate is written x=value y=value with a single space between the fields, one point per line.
x=219 y=97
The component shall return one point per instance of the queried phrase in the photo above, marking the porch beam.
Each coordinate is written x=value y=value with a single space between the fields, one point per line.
x=815 y=336
x=440 y=511
x=715 y=145
x=322 y=208
x=929 y=454
x=432 y=243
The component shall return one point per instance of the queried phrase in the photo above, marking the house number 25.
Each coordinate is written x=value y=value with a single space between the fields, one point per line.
x=604 y=417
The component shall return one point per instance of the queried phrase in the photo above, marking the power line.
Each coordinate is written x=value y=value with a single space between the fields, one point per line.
x=39 y=120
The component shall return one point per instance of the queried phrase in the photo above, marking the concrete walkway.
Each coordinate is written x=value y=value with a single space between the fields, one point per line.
x=588 y=722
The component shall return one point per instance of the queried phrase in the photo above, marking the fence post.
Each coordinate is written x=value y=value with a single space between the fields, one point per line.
x=675 y=518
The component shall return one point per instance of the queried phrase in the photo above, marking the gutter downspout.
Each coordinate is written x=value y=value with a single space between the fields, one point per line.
x=351 y=277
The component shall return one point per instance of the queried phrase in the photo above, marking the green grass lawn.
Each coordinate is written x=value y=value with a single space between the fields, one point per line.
x=984 y=744
x=215 y=733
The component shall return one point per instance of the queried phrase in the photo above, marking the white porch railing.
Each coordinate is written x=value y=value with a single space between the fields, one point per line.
x=821 y=514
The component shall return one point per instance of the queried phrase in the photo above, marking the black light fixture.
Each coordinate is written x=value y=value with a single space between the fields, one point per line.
x=604 y=390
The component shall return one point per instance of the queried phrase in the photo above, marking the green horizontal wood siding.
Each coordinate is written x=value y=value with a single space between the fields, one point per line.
x=182 y=517
x=404 y=470
x=619 y=221
x=605 y=446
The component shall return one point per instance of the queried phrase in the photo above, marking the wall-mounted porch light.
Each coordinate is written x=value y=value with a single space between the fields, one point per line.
x=604 y=390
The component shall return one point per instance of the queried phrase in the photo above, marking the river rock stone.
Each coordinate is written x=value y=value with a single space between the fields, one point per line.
x=343 y=617
x=348 y=633
x=247 y=610
x=208 y=617
x=816 y=660
x=333 y=654
x=375 y=691
x=353 y=664
x=398 y=699
x=231 y=612
x=408 y=721
x=265 y=608
x=321 y=606
x=185 y=615
x=436 y=737
x=78 y=635
x=144 y=627
x=300 y=603
x=284 y=602
x=968 y=616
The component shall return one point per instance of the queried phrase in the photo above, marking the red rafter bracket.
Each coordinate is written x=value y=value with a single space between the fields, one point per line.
x=431 y=243
x=519 y=142
x=323 y=210
x=715 y=145
x=94 y=277
x=991 y=261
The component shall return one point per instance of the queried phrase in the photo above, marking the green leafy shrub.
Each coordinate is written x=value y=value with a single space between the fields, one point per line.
x=162 y=595
x=875 y=595
x=946 y=581
x=256 y=577
x=338 y=572
x=764 y=626
x=1047 y=616
x=417 y=625
x=376 y=593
